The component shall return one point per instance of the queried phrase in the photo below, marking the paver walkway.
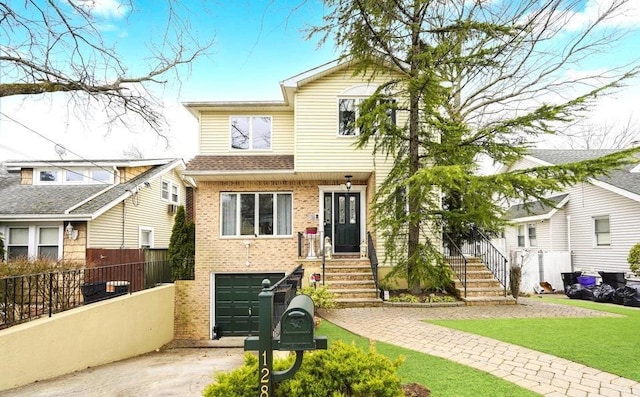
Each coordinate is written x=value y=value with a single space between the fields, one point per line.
x=542 y=373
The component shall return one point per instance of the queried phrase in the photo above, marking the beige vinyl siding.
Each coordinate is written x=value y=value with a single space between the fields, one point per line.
x=146 y=209
x=215 y=133
x=318 y=146
x=588 y=201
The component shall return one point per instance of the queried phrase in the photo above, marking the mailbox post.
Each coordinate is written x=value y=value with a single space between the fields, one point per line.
x=296 y=334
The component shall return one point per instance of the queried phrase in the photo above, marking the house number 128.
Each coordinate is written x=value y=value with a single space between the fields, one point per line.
x=264 y=379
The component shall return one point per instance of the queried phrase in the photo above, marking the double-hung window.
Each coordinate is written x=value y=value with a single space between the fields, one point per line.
x=170 y=192
x=602 y=231
x=250 y=132
x=521 y=237
x=349 y=111
x=18 y=242
x=48 y=239
x=527 y=235
x=256 y=214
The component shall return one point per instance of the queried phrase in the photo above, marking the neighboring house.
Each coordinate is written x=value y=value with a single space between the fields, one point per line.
x=60 y=209
x=268 y=172
x=589 y=227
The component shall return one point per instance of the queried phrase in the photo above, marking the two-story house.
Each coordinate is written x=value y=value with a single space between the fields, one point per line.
x=62 y=209
x=589 y=227
x=274 y=177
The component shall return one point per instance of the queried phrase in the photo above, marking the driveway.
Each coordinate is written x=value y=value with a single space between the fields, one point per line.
x=173 y=372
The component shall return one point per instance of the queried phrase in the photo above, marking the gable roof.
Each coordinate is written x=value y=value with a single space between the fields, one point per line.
x=82 y=202
x=625 y=181
x=536 y=210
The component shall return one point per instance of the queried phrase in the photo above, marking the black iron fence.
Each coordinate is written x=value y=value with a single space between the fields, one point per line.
x=23 y=298
x=373 y=258
x=283 y=291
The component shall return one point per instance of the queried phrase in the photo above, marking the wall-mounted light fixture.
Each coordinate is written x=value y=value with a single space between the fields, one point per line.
x=70 y=232
x=348 y=183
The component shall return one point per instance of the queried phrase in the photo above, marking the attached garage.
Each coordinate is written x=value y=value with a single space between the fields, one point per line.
x=235 y=302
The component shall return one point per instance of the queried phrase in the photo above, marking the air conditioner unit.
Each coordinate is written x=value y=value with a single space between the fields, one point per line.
x=172 y=208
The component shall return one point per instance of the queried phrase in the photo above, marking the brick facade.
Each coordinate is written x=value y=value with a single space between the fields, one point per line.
x=229 y=255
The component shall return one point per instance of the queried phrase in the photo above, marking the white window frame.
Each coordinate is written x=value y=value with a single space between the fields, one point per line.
x=61 y=176
x=141 y=231
x=256 y=215
x=523 y=233
x=36 y=176
x=172 y=189
x=251 y=137
x=357 y=102
x=596 y=233
x=33 y=237
x=39 y=244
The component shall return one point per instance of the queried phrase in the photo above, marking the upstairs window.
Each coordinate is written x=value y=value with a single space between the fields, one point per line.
x=170 y=192
x=251 y=132
x=48 y=176
x=602 y=231
x=349 y=111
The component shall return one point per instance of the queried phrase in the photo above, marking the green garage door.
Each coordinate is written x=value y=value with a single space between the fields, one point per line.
x=236 y=302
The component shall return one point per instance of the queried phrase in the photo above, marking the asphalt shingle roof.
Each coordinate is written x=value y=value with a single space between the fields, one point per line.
x=535 y=208
x=18 y=199
x=241 y=163
x=622 y=178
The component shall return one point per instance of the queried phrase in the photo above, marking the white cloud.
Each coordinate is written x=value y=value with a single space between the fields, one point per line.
x=626 y=14
x=105 y=8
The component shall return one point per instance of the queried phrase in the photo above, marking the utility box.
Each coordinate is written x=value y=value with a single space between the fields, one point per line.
x=297 y=326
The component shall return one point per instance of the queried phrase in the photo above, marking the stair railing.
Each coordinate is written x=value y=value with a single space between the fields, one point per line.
x=456 y=259
x=373 y=258
x=479 y=245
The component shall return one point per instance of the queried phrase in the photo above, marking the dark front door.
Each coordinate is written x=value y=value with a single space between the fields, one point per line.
x=346 y=222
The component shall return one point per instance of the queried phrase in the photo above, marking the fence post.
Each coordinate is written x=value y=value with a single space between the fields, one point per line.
x=50 y=294
x=265 y=354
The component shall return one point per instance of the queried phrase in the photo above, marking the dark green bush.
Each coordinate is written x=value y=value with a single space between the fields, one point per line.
x=341 y=371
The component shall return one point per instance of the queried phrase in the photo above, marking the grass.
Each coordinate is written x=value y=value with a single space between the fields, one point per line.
x=443 y=377
x=606 y=343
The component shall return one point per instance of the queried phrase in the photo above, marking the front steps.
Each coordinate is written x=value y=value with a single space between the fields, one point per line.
x=482 y=287
x=351 y=280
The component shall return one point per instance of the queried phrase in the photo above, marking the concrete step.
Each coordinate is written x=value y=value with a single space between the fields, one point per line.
x=489 y=301
x=341 y=284
x=355 y=293
x=482 y=292
x=348 y=276
x=478 y=274
x=346 y=268
x=358 y=302
x=479 y=283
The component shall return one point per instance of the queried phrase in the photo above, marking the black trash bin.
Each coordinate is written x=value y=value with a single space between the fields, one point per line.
x=92 y=292
x=615 y=280
x=568 y=279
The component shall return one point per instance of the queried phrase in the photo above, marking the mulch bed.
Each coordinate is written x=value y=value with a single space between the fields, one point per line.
x=415 y=390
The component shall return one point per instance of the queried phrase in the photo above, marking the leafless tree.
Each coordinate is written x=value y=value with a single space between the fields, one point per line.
x=133 y=152
x=587 y=136
x=61 y=46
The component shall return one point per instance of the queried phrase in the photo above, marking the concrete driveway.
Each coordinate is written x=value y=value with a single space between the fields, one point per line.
x=173 y=372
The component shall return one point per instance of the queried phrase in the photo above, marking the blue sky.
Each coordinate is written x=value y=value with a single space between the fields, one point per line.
x=257 y=44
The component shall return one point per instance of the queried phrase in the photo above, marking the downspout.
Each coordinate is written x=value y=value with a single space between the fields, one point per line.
x=569 y=241
x=123 y=205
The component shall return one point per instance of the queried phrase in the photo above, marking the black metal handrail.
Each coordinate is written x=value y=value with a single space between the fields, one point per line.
x=373 y=258
x=27 y=297
x=479 y=245
x=456 y=259
x=283 y=291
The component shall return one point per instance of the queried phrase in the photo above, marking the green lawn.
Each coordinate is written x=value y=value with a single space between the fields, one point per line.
x=609 y=344
x=442 y=377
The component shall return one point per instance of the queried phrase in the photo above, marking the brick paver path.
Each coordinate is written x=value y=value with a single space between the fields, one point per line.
x=542 y=373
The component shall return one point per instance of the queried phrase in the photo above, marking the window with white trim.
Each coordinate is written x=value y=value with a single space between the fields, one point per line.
x=531 y=231
x=349 y=111
x=18 y=242
x=256 y=214
x=146 y=237
x=35 y=241
x=250 y=132
x=170 y=192
x=521 y=236
x=72 y=175
x=602 y=231
x=48 y=239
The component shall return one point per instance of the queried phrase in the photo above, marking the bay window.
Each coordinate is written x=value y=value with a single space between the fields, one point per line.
x=256 y=214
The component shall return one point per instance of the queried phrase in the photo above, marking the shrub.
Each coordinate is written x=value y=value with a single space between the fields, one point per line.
x=322 y=298
x=182 y=246
x=634 y=259
x=342 y=370
x=405 y=298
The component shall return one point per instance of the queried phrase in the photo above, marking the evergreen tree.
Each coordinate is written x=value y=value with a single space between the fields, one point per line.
x=475 y=78
x=182 y=247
